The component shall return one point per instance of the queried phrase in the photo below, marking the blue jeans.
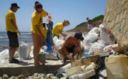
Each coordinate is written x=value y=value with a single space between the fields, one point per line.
x=49 y=41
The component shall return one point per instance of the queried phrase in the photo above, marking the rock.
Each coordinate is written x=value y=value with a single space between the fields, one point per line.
x=63 y=78
x=12 y=77
x=35 y=75
x=61 y=75
x=49 y=76
x=5 y=76
x=21 y=77
x=116 y=19
x=30 y=77
x=42 y=76
x=53 y=77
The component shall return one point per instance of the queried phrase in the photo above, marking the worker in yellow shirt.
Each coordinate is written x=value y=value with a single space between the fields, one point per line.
x=38 y=31
x=12 y=31
x=58 y=28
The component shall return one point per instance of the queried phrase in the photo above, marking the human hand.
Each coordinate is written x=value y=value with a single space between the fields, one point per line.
x=19 y=33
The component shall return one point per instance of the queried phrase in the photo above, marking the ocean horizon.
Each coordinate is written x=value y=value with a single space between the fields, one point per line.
x=24 y=37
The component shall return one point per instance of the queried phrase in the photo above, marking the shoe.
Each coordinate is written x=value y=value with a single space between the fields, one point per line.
x=14 y=61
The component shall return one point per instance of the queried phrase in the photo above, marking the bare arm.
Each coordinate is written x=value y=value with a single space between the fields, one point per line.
x=63 y=34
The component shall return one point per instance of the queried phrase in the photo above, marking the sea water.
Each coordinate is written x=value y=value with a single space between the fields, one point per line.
x=24 y=37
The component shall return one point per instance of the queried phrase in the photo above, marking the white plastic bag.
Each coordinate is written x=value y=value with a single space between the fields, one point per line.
x=86 y=72
x=90 y=37
x=97 y=47
x=105 y=36
x=94 y=30
x=58 y=42
x=24 y=51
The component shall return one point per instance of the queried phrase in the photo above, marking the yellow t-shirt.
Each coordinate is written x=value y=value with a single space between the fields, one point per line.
x=37 y=20
x=9 y=25
x=58 y=28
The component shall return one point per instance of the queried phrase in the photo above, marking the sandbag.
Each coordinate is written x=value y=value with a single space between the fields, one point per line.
x=111 y=49
x=117 y=67
x=83 y=72
x=58 y=42
x=24 y=51
x=95 y=30
x=73 y=70
x=64 y=68
x=106 y=36
x=84 y=75
x=97 y=47
x=90 y=38
x=76 y=63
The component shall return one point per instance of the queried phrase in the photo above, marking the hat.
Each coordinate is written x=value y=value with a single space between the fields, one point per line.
x=15 y=5
x=38 y=5
x=78 y=35
x=37 y=2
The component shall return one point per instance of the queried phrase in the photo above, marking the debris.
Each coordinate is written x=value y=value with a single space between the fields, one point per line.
x=117 y=66
x=78 y=69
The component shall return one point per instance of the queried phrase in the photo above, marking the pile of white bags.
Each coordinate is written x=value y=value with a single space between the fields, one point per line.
x=91 y=36
x=78 y=72
x=95 y=41
x=97 y=47
x=105 y=35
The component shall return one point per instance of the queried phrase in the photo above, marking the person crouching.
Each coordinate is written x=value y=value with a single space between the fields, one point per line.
x=71 y=49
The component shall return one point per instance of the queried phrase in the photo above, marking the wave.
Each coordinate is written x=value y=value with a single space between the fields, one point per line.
x=3 y=37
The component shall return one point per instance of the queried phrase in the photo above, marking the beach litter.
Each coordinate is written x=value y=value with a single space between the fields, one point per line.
x=99 y=57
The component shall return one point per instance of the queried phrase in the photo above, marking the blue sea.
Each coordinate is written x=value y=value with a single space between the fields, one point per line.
x=24 y=37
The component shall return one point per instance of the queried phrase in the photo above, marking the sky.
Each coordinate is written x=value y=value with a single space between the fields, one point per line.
x=75 y=11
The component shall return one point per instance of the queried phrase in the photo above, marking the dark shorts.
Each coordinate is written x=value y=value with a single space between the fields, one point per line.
x=71 y=49
x=13 y=39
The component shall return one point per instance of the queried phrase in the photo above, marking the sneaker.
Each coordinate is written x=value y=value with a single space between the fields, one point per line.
x=14 y=61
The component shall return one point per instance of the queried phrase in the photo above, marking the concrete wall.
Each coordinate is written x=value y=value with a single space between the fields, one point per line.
x=116 y=18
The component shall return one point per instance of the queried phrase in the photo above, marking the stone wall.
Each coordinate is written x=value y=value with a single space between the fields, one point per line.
x=116 y=19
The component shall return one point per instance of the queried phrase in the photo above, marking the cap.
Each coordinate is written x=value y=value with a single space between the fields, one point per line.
x=37 y=2
x=38 y=5
x=78 y=35
x=15 y=5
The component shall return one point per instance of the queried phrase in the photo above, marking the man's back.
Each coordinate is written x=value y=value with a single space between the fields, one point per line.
x=71 y=41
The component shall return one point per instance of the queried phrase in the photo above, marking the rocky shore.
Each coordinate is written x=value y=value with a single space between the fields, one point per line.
x=34 y=76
